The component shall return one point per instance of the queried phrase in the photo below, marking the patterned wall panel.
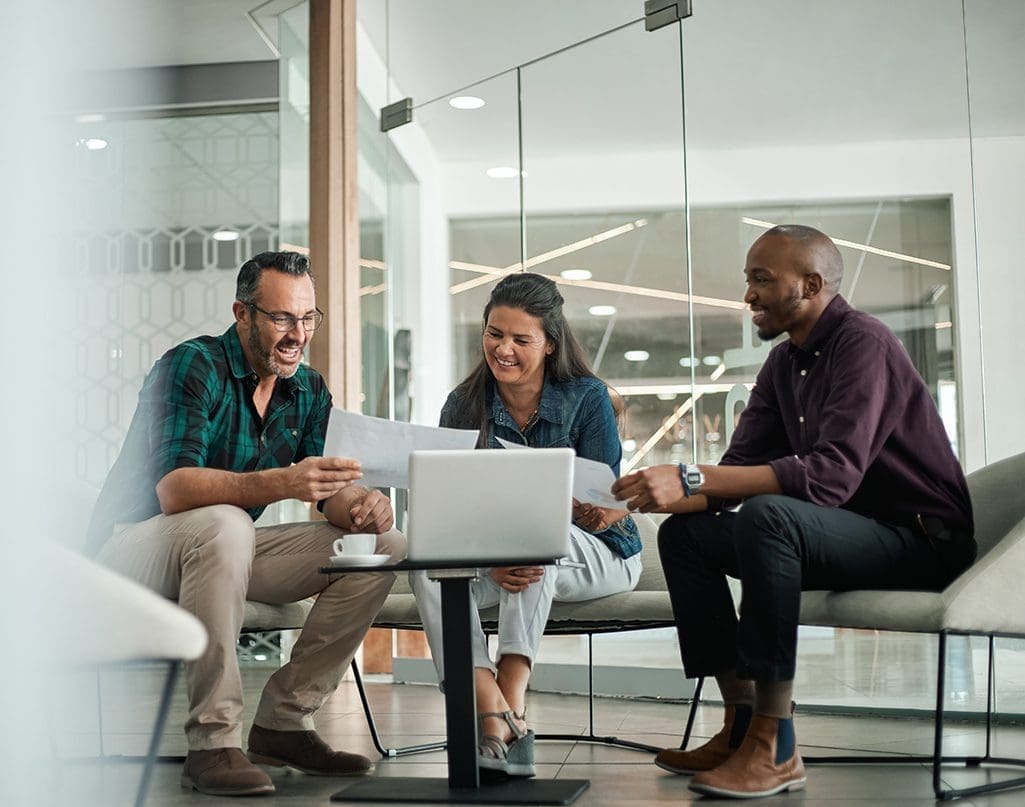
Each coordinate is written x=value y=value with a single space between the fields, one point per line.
x=149 y=271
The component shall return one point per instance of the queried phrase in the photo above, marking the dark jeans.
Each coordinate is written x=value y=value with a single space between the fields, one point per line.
x=778 y=547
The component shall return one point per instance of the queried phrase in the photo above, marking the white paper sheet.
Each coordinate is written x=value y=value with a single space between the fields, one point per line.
x=383 y=446
x=592 y=480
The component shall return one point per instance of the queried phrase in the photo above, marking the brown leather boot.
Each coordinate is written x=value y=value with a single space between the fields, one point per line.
x=755 y=768
x=224 y=772
x=713 y=753
x=304 y=751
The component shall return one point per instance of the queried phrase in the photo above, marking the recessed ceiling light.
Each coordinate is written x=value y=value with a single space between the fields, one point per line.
x=630 y=445
x=575 y=274
x=226 y=235
x=503 y=172
x=601 y=310
x=466 y=102
x=712 y=361
x=687 y=361
x=94 y=143
x=93 y=117
x=636 y=355
x=666 y=396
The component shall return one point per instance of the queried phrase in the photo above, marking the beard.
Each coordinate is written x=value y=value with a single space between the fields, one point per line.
x=787 y=306
x=265 y=356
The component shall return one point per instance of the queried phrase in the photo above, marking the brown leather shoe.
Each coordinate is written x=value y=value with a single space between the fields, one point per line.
x=224 y=772
x=713 y=753
x=304 y=751
x=753 y=770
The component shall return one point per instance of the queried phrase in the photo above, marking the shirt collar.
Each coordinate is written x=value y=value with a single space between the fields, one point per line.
x=550 y=407
x=830 y=318
x=240 y=367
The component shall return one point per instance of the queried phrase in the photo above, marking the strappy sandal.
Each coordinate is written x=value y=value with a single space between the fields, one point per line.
x=515 y=758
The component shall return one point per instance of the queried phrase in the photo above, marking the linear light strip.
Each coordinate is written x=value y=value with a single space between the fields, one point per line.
x=366 y=263
x=670 y=421
x=558 y=252
x=642 y=291
x=863 y=247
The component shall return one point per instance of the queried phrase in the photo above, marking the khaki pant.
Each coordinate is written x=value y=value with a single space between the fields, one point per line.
x=211 y=560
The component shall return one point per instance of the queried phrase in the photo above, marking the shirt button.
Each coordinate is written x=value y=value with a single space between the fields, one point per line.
x=800 y=419
x=804 y=372
x=295 y=433
x=818 y=352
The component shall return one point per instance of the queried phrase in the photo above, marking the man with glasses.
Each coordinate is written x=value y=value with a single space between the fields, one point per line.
x=225 y=426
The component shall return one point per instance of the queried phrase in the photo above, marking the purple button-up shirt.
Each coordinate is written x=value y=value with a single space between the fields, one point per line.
x=845 y=420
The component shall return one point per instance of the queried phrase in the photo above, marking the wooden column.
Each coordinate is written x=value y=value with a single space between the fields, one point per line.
x=334 y=219
x=334 y=224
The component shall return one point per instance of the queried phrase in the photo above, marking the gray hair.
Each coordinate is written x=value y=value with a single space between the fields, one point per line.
x=291 y=263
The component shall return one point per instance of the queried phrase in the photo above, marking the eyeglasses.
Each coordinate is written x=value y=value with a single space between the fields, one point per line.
x=286 y=322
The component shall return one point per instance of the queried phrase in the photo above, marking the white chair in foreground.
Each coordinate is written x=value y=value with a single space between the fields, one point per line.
x=116 y=621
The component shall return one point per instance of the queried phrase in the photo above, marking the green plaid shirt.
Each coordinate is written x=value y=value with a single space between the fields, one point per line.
x=196 y=410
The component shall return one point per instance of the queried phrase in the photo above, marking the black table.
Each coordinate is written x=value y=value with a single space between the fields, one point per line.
x=463 y=785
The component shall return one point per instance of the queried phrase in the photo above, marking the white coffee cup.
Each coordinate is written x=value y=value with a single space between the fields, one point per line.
x=357 y=543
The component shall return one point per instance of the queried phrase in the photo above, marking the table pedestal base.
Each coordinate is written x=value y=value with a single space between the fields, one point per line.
x=433 y=791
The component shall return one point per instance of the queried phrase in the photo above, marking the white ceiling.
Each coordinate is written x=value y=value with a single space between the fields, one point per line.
x=785 y=71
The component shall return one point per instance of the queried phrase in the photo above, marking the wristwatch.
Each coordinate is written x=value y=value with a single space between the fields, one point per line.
x=692 y=479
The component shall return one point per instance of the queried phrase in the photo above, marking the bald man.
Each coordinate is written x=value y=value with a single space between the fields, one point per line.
x=847 y=481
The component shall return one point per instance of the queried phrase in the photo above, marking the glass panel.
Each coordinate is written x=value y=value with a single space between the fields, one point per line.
x=856 y=136
x=604 y=210
x=433 y=49
x=864 y=136
x=995 y=31
x=480 y=153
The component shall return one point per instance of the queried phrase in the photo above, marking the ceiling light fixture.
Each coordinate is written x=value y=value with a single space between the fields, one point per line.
x=688 y=361
x=94 y=143
x=629 y=445
x=636 y=355
x=466 y=102
x=712 y=361
x=601 y=310
x=900 y=256
x=575 y=274
x=226 y=235
x=91 y=117
x=502 y=172
x=666 y=396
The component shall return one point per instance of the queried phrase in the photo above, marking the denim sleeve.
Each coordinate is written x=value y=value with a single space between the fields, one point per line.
x=599 y=440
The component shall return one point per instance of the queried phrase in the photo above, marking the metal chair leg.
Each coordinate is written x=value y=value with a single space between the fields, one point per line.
x=372 y=725
x=158 y=730
x=694 y=703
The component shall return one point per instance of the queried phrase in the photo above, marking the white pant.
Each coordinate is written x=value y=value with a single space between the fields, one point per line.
x=522 y=615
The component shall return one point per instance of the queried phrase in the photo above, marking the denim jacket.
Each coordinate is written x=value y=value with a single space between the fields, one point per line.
x=578 y=414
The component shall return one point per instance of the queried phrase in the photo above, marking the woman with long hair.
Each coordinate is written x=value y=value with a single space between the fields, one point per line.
x=533 y=386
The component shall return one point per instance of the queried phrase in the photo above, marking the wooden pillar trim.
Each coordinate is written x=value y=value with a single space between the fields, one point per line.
x=334 y=218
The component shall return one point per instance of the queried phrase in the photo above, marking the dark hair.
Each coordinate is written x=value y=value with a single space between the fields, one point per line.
x=539 y=297
x=291 y=263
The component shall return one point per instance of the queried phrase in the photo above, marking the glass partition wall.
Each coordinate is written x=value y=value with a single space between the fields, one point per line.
x=636 y=168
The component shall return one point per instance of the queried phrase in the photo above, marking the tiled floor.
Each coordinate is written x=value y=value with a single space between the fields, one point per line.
x=413 y=714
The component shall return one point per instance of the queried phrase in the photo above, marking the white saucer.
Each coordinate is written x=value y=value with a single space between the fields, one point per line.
x=359 y=560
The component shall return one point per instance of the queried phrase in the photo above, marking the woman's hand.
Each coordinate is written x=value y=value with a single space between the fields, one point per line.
x=595 y=519
x=517 y=578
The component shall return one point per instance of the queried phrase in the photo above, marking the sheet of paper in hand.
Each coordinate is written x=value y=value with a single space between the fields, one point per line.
x=383 y=446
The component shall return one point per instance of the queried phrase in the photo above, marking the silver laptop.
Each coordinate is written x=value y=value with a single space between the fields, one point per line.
x=486 y=505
